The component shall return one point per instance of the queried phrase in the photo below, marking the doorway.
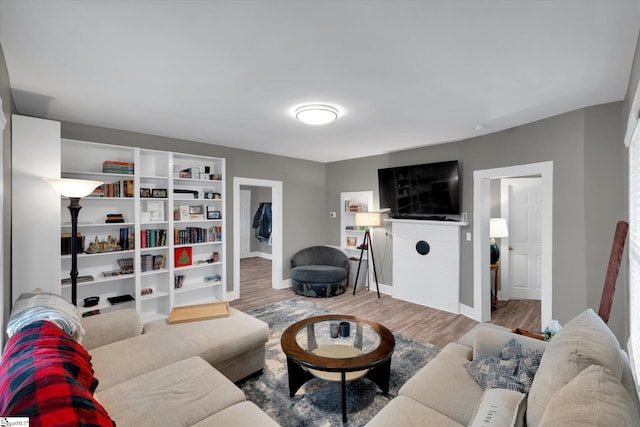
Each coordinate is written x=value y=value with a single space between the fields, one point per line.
x=481 y=216
x=239 y=220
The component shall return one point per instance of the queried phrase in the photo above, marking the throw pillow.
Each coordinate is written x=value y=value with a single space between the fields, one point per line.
x=500 y=408
x=594 y=397
x=514 y=370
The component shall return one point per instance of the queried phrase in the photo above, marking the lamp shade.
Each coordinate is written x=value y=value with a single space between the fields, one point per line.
x=498 y=228
x=368 y=219
x=73 y=187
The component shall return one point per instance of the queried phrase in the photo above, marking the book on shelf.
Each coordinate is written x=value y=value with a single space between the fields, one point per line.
x=150 y=262
x=127 y=238
x=153 y=238
x=114 y=189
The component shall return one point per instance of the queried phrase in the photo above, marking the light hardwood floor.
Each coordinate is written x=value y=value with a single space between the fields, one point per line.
x=422 y=323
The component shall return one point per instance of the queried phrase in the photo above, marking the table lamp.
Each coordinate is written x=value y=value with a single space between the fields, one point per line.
x=74 y=189
x=497 y=229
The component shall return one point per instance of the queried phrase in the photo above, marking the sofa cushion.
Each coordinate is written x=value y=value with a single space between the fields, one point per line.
x=404 y=411
x=445 y=384
x=318 y=273
x=513 y=370
x=179 y=394
x=582 y=342
x=243 y=414
x=500 y=408
x=216 y=341
x=593 y=398
x=110 y=327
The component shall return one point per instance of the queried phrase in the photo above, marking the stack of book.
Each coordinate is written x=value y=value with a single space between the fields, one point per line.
x=114 y=218
x=112 y=166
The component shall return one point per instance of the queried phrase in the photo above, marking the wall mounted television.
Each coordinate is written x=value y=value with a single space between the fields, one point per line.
x=427 y=191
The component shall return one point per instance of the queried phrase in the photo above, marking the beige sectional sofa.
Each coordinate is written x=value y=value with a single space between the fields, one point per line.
x=583 y=379
x=159 y=374
x=176 y=374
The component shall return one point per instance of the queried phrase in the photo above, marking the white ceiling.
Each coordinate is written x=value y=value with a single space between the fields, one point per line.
x=404 y=73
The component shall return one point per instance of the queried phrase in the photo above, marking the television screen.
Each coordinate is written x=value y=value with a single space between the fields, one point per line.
x=421 y=191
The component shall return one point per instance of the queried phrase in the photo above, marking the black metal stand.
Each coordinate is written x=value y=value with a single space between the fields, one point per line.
x=74 y=207
x=368 y=243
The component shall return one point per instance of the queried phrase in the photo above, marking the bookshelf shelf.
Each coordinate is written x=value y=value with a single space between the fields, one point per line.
x=156 y=173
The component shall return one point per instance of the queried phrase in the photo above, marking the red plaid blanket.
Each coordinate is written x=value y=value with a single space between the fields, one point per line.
x=47 y=376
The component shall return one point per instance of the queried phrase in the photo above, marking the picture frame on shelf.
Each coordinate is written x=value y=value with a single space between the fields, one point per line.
x=145 y=192
x=196 y=210
x=159 y=193
x=352 y=242
x=214 y=215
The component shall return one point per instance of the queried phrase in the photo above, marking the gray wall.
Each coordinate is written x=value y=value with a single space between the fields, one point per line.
x=8 y=108
x=302 y=183
x=560 y=139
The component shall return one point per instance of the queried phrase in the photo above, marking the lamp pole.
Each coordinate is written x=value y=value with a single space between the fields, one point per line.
x=74 y=207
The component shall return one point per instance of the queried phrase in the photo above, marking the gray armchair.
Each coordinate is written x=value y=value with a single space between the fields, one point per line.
x=319 y=271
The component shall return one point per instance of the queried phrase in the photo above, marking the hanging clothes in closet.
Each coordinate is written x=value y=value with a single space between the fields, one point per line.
x=262 y=223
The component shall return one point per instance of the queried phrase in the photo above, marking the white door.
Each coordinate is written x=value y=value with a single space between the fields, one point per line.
x=524 y=248
x=245 y=223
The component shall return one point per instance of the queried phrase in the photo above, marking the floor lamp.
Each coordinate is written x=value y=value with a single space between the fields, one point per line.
x=367 y=220
x=74 y=189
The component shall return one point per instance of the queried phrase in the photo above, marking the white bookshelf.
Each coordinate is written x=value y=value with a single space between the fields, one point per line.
x=148 y=211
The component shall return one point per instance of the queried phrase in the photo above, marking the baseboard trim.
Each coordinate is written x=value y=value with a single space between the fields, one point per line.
x=285 y=284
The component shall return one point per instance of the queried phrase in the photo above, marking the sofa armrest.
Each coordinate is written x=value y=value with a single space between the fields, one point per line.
x=488 y=341
x=107 y=328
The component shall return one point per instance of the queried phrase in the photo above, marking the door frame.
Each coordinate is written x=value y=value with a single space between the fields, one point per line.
x=276 y=232
x=505 y=276
x=482 y=214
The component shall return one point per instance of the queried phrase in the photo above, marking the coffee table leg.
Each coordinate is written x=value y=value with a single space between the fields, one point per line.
x=297 y=376
x=344 y=397
x=380 y=375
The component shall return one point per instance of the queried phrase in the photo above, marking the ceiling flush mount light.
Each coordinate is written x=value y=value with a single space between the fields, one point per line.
x=316 y=114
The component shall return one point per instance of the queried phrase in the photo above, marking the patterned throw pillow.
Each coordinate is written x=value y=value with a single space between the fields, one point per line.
x=514 y=370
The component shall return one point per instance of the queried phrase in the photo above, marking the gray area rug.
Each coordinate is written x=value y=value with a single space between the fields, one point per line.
x=317 y=403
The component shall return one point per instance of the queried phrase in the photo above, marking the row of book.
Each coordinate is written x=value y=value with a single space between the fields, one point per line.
x=114 y=189
x=197 y=235
x=65 y=243
x=153 y=238
x=112 y=166
x=152 y=262
x=127 y=239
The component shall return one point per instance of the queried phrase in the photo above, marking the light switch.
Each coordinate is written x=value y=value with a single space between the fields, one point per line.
x=468 y=236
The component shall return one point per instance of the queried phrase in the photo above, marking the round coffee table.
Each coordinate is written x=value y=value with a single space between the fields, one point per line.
x=312 y=351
